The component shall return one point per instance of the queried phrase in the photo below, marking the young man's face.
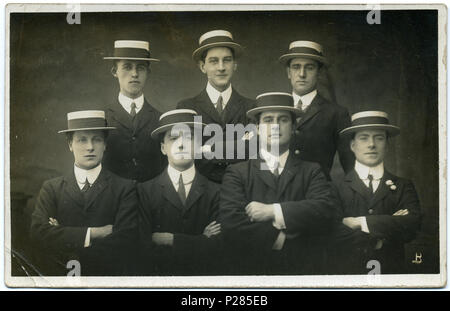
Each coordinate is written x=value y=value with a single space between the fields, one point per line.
x=178 y=146
x=369 y=147
x=132 y=75
x=275 y=129
x=88 y=148
x=219 y=66
x=303 y=73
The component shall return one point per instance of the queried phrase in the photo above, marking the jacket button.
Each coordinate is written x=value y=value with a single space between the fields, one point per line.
x=133 y=138
x=297 y=132
x=134 y=161
x=297 y=151
x=370 y=211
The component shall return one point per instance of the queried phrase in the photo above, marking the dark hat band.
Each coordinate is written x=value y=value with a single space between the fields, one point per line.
x=131 y=52
x=274 y=100
x=305 y=50
x=370 y=120
x=86 y=123
x=215 y=40
x=176 y=118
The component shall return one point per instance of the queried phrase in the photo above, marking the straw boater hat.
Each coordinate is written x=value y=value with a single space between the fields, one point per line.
x=174 y=117
x=86 y=120
x=274 y=101
x=131 y=49
x=305 y=49
x=216 y=38
x=371 y=120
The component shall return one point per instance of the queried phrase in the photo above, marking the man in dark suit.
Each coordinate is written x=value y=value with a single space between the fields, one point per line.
x=275 y=209
x=317 y=131
x=219 y=103
x=88 y=215
x=380 y=211
x=178 y=208
x=131 y=152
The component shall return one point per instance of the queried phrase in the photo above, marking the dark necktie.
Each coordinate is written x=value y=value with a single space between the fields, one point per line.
x=219 y=105
x=133 y=110
x=299 y=106
x=370 y=178
x=181 y=190
x=86 y=187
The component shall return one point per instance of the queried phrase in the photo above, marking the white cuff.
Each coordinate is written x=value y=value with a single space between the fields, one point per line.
x=87 y=240
x=279 y=242
x=379 y=244
x=278 y=222
x=364 y=227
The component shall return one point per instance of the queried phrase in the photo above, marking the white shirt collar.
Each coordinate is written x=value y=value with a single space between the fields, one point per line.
x=272 y=160
x=214 y=94
x=174 y=175
x=125 y=101
x=306 y=99
x=363 y=171
x=81 y=174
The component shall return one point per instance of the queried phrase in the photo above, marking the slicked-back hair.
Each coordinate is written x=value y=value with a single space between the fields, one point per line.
x=203 y=56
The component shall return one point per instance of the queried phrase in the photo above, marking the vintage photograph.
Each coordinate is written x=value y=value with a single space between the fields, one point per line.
x=247 y=146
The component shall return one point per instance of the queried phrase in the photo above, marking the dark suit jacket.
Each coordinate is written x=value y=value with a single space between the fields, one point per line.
x=307 y=205
x=354 y=248
x=161 y=210
x=111 y=200
x=130 y=151
x=317 y=135
x=234 y=113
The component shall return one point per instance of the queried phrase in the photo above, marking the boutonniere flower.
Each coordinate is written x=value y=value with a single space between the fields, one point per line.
x=391 y=184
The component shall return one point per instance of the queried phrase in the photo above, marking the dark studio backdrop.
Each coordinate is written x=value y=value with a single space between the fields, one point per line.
x=56 y=68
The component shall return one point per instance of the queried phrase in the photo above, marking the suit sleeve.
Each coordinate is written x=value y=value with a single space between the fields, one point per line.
x=199 y=245
x=343 y=237
x=236 y=225
x=144 y=218
x=402 y=228
x=125 y=223
x=315 y=213
x=346 y=156
x=59 y=238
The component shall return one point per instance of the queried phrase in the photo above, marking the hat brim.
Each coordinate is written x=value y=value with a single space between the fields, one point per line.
x=253 y=112
x=166 y=127
x=286 y=57
x=391 y=129
x=133 y=58
x=88 y=129
x=237 y=48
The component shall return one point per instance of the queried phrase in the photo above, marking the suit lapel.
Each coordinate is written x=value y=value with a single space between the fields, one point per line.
x=207 y=107
x=358 y=185
x=291 y=169
x=169 y=191
x=97 y=188
x=263 y=173
x=312 y=110
x=121 y=115
x=197 y=189
x=382 y=190
x=145 y=115
x=233 y=107
x=72 y=189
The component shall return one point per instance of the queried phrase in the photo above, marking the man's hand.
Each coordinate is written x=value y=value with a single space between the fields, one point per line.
x=402 y=212
x=162 y=238
x=53 y=222
x=352 y=222
x=259 y=212
x=101 y=232
x=212 y=229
